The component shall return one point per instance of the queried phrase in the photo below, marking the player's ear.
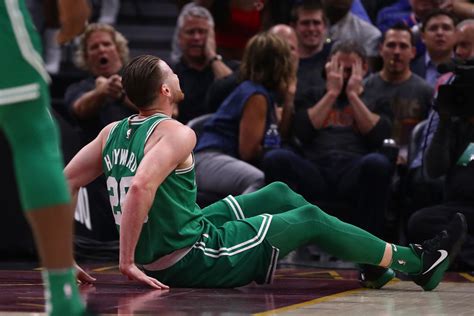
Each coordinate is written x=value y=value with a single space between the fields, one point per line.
x=165 y=90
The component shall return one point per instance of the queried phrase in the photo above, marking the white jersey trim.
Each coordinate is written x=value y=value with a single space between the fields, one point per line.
x=243 y=246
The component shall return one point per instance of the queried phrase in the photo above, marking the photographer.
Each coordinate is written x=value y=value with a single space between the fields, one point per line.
x=451 y=151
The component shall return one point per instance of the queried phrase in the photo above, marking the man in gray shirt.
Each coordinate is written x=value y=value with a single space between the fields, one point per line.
x=408 y=95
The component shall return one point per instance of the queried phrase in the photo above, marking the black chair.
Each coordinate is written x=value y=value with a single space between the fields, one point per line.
x=197 y=123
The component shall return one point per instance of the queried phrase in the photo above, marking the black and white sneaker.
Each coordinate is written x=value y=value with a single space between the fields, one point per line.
x=374 y=277
x=436 y=254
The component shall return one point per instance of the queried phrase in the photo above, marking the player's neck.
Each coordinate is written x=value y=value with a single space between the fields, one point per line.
x=152 y=111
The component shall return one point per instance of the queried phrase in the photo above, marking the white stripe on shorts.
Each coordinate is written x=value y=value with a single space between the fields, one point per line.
x=243 y=246
x=19 y=94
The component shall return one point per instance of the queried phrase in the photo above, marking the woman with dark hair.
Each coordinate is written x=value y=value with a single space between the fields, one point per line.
x=247 y=123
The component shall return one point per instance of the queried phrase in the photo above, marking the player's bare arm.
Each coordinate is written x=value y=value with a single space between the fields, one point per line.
x=87 y=164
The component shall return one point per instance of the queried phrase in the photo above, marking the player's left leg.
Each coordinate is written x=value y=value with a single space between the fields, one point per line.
x=274 y=198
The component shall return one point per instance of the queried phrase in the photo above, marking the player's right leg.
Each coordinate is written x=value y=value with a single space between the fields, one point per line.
x=296 y=223
x=308 y=224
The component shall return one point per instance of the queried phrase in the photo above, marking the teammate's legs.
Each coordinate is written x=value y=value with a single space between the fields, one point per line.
x=45 y=198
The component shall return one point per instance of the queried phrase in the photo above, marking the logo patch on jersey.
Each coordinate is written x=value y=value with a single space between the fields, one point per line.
x=129 y=131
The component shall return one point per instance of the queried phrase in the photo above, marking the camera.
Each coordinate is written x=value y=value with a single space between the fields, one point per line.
x=456 y=98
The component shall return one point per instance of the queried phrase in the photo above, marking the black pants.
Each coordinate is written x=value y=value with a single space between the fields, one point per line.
x=427 y=222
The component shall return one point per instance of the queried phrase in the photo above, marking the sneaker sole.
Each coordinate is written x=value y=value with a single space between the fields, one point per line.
x=381 y=281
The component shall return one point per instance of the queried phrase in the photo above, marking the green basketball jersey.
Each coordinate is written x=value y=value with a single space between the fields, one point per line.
x=174 y=220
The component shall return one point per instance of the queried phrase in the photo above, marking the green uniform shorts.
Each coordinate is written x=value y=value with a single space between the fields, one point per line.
x=24 y=111
x=231 y=252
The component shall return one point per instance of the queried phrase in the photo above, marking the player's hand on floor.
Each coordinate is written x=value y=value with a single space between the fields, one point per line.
x=133 y=273
x=82 y=276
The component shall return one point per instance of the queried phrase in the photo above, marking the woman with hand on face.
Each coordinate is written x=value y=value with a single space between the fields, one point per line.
x=247 y=124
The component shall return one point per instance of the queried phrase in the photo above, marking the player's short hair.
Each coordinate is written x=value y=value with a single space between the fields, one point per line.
x=141 y=80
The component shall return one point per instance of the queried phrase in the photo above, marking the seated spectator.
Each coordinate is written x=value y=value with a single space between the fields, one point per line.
x=412 y=13
x=196 y=61
x=99 y=99
x=339 y=136
x=311 y=26
x=437 y=33
x=409 y=95
x=221 y=88
x=347 y=26
x=246 y=124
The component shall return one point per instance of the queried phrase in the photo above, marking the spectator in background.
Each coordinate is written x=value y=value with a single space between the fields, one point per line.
x=311 y=26
x=408 y=94
x=246 y=124
x=339 y=136
x=195 y=61
x=221 y=88
x=99 y=99
x=347 y=26
x=412 y=13
x=438 y=35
